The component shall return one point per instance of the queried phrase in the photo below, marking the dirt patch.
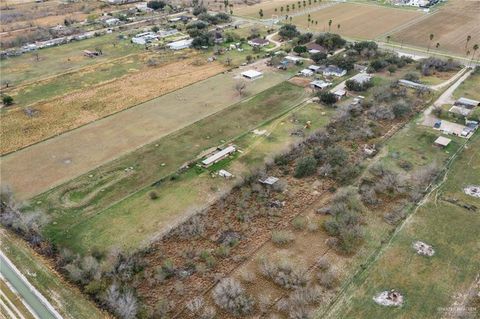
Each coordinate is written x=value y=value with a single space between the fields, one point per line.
x=390 y=298
x=472 y=190
x=423 y=249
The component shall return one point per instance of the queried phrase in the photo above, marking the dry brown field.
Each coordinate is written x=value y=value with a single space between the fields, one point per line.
x=68 y=112
x=450 y=26
x=68 y=155
x=358 y=21
x=268 y=8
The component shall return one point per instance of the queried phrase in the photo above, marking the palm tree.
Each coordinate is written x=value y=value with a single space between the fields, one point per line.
x=293 y=6
x=338 y=26
x=276 y=10
x=329 y=24
x=475 y=48
x=437 y=45
x=291 y=20
x=281 y=9
x=430 y=43
x=260 y=13
x=469 y=37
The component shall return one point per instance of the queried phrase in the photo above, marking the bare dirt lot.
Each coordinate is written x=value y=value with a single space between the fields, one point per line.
x=450 y=26
x=71 y=154
x=359 y=21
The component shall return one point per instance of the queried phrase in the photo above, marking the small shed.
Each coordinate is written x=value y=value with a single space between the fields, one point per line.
x=180 y=45
x=442 y=141
x=270 y=180
x=224 y=173
x=258 y=42
x=315 y=68
x=252 y=74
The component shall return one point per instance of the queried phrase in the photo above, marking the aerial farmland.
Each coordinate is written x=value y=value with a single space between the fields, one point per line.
x=239 y=159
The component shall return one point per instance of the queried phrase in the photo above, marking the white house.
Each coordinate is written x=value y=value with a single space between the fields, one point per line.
x=112 y=21
x=293 y=59
x=340 y=93
x=258 y=42
x=252 y=74
x=306 y=72
x=334 y=71
x=315 y=68
x=319 y=84
x=180 y=45
x=144 y=38
x=361 y=77
x=218 y=156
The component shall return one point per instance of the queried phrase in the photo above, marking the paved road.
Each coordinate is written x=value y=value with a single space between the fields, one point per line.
x=35 y=302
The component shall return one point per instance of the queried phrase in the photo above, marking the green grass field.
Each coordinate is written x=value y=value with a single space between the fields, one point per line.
x=429 y=284
x=470 y=88
x=64 y=58
x=74 y=209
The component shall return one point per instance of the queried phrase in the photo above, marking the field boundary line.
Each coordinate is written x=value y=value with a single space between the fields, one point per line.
x=143 y=187
x=109 y=115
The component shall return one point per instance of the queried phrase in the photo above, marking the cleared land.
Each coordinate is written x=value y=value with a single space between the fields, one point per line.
x=64 y=58
x=450 y=26
x=470 y=88
x=68 y=300
x=357 y=21
x=268 y=8
x=67 y=112
x=71 y=154
x=74 y=230
x=429 y=284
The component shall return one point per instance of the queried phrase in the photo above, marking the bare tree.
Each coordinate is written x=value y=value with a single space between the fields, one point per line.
x=240 y=87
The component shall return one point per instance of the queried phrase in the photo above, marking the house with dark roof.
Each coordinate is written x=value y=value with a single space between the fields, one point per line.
x=315 y=48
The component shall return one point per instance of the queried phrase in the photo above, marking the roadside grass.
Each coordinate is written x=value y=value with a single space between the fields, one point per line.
x=12 y=301
x=68 y=300
x=470 y=88
x=176 y=149
x=430 y=285
x=64 y=58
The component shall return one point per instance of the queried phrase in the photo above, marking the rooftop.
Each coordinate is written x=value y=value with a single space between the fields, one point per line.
x=442 y=141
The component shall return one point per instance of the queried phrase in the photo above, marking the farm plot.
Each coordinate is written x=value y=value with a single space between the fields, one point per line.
x=64 y=58
x=53 y=117
x=432 y=286
x=66 y=156
x=357 y=21
x=268 y=8
x=83 y=231
x=462 y=20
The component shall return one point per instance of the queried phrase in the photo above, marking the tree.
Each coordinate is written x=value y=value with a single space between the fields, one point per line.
x=305 y=166
x=329 y=24
x=7 y=100
x=475 y=48
x=240 y=87
x=430 y=43
x=330 y=41
x=288 y=31
x=229 y=295
x=260 y=13
x=156 y=4
x=155 y=29
x=338 y=26
x=328 y=98
x=318 y=57
x=391 y=69
x=469 y=37
x=299 y=49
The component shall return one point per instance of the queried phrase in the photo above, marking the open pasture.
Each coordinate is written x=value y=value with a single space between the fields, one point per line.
x=450 y=26
x=63 y=58
x=431 y=286
x=82 y=227
x=64 y=157
x=357 y=21
x=268 y=8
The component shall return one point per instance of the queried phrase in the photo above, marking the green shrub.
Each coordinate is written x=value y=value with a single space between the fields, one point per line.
x=306 y=166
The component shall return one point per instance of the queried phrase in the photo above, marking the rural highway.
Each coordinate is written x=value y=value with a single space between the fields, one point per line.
x=33 y=300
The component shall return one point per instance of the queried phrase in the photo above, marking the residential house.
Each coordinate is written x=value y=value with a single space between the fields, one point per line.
x=144 y=38
x=442 y=141
x=316 y=68
x=466 y=103
x=180 y=45
x=258 y=42
x=306 y=72
x=333 y=70
x=315 y=48
x=218 y=156
x=320 y=84
x=413 y=85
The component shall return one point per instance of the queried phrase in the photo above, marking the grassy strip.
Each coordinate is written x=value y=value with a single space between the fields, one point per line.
x=68 y=300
